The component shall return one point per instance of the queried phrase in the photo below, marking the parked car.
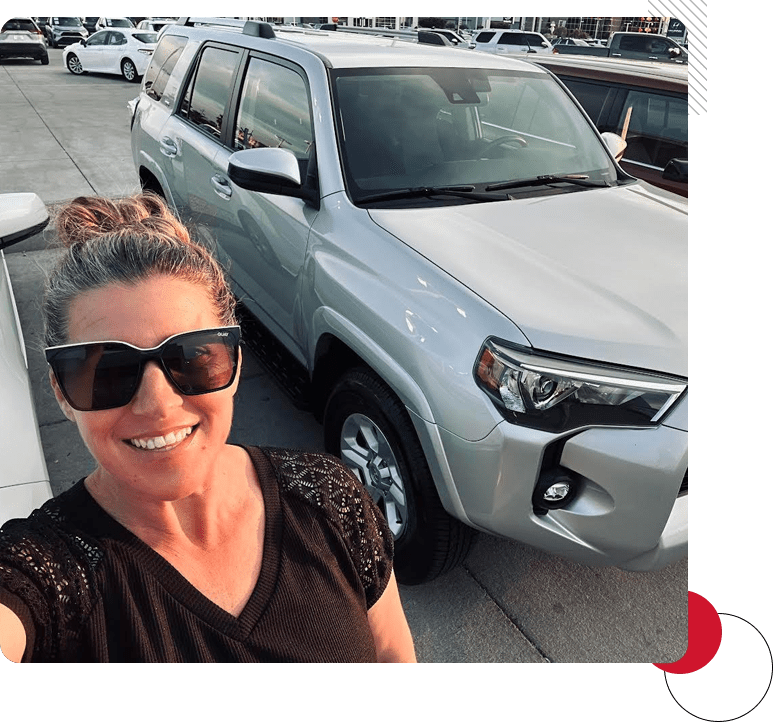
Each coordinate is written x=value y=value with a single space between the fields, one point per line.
x=22 y=38
x=64 y=31
x=123 y=51
x=24 y=481
x=109 y=23
x=408 y=228
x=90 y=24
x=510 y=42
x=633 y=46
x=155 y=24
x=579 y=42
x=649 y=99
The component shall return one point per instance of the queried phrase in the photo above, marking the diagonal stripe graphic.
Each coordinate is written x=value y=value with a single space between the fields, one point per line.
x=693 y=14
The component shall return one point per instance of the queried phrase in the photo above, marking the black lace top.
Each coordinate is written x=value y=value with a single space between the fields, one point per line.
x=89 y=590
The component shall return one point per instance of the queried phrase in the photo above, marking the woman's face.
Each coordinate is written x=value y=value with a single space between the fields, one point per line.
x=144 y=315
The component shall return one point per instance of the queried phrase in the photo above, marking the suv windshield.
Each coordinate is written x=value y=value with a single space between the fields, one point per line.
x=68 y=22
x=409 y=128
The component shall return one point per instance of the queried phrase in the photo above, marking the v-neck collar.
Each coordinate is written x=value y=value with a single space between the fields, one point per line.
x=104 y=526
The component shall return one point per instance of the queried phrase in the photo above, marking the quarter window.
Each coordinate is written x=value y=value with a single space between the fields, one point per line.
x=162 y=64
x=205 y=100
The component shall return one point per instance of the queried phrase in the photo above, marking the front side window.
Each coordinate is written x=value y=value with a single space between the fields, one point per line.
x=98 y=38
x=440 y=127
x=513 y=39
x=657 y=129
x=162 y=64
x=207 y=95
x=273 y=110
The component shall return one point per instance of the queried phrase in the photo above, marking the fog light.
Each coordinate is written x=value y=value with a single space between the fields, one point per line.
x=557 y=492
x=555 y=489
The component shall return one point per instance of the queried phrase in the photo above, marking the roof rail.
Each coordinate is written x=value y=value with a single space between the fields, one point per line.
x=249 y=27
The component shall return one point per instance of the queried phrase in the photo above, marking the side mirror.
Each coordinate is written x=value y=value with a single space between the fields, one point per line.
x=21 y=215
x=472 y=46
x=615 y=144
x=676 y=170
x=258 y=169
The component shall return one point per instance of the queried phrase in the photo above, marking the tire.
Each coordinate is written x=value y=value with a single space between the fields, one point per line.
x=74 y=64
x=129 y=71
x=368 y=427
x=44 y=59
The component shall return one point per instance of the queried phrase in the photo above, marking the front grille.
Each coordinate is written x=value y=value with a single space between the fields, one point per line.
x=683 y=487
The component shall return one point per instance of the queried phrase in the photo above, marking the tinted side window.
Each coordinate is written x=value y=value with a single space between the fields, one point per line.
x=513 y=39
x=484 y=37
x=207 y=95
x=657 y=130
x=274 y=110
x=162 y=64
x=591 y=96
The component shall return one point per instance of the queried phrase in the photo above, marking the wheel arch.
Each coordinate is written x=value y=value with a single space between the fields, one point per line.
x=338 y=348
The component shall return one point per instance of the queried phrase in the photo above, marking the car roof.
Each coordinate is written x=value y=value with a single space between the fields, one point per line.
x=346 y=49
x=642 y=69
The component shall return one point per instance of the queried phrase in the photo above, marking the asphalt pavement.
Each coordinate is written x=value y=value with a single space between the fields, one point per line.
x=62 y=136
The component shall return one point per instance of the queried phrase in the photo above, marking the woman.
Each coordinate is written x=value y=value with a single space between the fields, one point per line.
x=180 y=546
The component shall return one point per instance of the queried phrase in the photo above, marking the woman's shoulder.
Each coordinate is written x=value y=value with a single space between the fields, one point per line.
x=50 y=536
x=322 y=481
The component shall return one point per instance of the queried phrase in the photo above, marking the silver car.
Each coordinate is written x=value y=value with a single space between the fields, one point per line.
x=24 y=483
x=407 y=227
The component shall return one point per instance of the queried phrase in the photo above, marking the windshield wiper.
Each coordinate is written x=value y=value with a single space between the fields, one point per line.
x=427 y=192
x=543 y=180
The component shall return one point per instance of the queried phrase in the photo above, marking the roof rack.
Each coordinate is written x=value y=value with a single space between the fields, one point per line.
x=249 y=27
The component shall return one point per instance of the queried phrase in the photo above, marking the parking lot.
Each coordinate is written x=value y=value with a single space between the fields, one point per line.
x=62 y=136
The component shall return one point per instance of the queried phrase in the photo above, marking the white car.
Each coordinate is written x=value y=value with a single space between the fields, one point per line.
x=24 y=482
x=155 y=24
x=109 y=23
x=124 y=51
x=510 y=42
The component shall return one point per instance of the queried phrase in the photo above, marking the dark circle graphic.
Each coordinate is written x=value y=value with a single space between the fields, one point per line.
x=730 y=719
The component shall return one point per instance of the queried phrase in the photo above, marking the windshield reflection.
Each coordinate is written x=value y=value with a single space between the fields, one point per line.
x=409 y=128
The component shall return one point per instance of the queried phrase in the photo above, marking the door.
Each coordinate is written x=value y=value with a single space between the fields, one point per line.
x=264 y=236
x=92 y=54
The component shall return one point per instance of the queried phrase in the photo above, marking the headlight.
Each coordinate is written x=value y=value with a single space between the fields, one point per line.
x=558 y=394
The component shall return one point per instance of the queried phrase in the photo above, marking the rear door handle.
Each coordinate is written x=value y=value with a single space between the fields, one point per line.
x=222 y=186
x=168 y=147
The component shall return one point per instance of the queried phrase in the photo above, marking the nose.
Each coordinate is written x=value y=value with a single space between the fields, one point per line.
x=155 y=395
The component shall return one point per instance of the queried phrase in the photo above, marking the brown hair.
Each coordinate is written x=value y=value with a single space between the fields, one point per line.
x=125 y=241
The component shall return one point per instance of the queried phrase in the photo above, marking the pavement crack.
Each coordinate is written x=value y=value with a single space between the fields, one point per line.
x=510 y=618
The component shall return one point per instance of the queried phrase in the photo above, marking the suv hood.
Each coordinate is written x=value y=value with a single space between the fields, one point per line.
x=598 y=274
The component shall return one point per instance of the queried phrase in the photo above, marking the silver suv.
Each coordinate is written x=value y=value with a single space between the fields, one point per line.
x=408 y=227
x=64 y=31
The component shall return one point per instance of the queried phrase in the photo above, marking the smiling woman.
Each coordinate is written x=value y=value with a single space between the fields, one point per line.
x=180 y=546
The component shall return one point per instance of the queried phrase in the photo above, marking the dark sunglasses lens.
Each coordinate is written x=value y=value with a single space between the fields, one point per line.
x=99 y=376
x=202 y=362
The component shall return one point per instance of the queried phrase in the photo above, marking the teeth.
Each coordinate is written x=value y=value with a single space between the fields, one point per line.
x=159 y=442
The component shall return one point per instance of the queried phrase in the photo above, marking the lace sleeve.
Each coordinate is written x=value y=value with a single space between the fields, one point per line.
x=39 y=570
x=323 y=480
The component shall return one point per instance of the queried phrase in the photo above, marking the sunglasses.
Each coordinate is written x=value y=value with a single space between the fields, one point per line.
x=106 y=374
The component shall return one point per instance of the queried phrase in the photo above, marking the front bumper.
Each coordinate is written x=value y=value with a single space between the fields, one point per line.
x=68 y=37
x=628 y=512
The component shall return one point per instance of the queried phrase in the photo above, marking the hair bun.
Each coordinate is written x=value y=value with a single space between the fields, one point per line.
x=87 y=218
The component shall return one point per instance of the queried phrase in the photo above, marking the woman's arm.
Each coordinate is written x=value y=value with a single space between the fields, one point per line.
x=390 y=627
x=13 y=638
